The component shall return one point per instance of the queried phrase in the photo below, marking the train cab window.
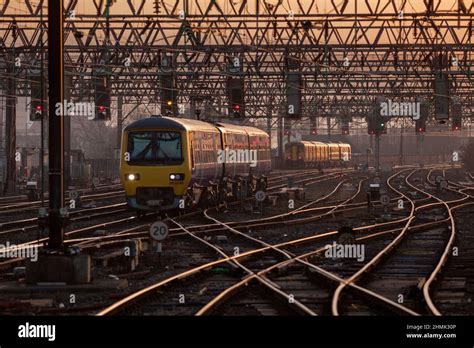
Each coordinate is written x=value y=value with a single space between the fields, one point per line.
x=155 y=148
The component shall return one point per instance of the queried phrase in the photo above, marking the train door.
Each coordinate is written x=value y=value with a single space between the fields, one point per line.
x=191 y=152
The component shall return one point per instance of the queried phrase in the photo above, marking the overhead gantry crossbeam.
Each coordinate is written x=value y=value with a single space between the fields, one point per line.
x=349 y=54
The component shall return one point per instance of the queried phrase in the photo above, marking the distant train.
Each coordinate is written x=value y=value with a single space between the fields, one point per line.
x=170 y=163
x=317 y=154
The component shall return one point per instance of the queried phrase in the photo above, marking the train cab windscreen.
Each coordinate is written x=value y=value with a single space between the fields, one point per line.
x=155 y=148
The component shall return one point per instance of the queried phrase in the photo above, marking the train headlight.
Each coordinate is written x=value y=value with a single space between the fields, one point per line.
x=177 y=177
x=132 y=177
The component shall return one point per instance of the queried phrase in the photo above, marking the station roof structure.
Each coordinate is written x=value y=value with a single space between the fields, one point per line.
x=348 y=51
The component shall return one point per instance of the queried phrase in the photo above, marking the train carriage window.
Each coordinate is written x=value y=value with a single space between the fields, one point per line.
x=210 y=148
x=200 y=149
x=207 y=151
x=203 y=148
x=195 y=149
x=191 y=146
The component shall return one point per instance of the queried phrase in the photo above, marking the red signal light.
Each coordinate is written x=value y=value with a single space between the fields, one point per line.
x=101 y=108
x=237 y=107
x=313 y=131
x=38 y=108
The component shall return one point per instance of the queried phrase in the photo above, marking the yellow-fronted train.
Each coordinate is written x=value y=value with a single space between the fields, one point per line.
x=173 y=163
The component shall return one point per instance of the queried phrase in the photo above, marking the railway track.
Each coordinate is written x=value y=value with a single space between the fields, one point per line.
x=32 y=207
x=206 y=270
x=30 y=224
x=410 y=261
x=307 y=179
x=454 y=293
x=278 y=278
x=270 y=286
x=300 y=306
x=11 y=201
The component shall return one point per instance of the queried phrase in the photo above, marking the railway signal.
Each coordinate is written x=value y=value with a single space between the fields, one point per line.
x=102 y=98
x=38 y=91
x=168 y=94
x=375 y=125
x=441 y=87
x=380 y=120
x=441 y=98
x=381 y=126
x=371 y=125
x=101 y=112
x=313 y=126
x=37 y=113
x=456 y=112
x=294 y=85
x=345 y=127
x=235 y=91
x=236 y=111
x=456 y=124
x=420 y=123
x=420 y=127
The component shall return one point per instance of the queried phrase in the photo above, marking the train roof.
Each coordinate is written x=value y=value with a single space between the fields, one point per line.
x=234 y=128
x=170 y=123
x=230 y=128
x=189 y=124
x=318 y=143
x=254 y=131
x=312 y=142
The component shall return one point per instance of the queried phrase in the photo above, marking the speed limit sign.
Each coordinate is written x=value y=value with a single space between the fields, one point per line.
x=159 y=231
x=260 y=196
x=385 y=199
x=73 y=194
